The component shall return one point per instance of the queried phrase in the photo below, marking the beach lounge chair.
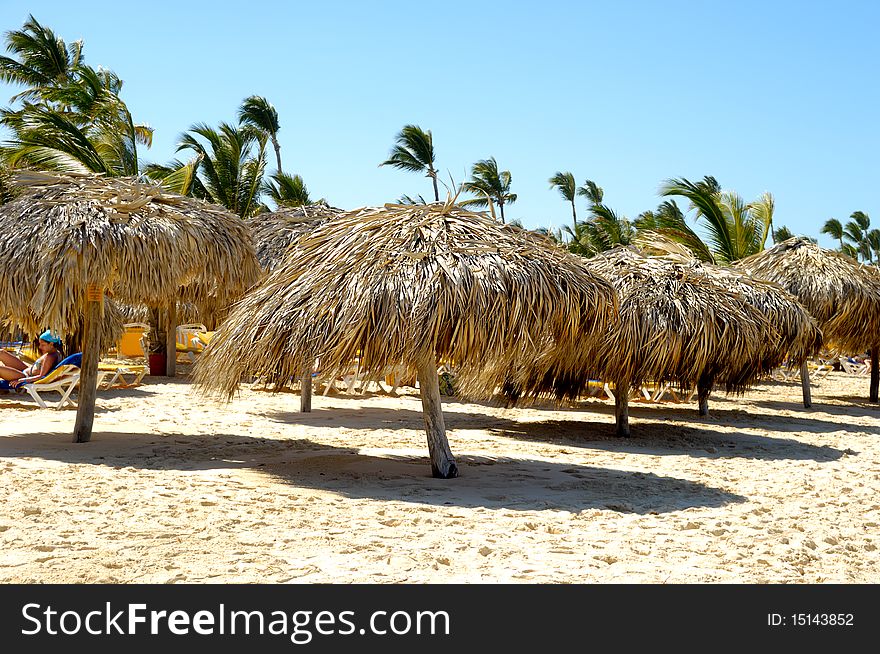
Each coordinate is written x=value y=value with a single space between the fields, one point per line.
x=134 y=341
x=122 y=375
x=63 y=378
x=853 y=367
x=190 y=339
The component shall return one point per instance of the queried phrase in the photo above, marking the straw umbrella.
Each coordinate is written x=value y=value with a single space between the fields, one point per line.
x=411 y=284
x=841 y=294
x=678 y=324
x=275 y=232
x=69 y=240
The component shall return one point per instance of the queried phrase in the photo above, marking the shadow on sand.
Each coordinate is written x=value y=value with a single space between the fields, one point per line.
x=592 y=431
x=492 y=483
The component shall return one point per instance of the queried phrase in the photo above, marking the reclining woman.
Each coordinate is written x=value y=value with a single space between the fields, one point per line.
x=17 y=372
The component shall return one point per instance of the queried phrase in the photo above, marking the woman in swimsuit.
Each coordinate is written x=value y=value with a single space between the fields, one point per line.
x=17 y=372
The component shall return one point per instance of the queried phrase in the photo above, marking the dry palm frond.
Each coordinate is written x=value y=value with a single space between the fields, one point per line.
x=840 y=293
x=135 y=240
x=274 y=233
x=406 y=284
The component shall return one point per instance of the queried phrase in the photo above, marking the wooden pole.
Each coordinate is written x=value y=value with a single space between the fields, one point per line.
x=704 y=387
x=805 y=385
x=621 y=408
x=875 y=372
x=171 y=340
x=305 y=393
x=88 y=379
x=442 y=463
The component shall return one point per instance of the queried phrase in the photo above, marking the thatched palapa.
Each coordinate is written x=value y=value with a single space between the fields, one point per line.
x=841 y=294
x=413 y=285
x=275 y=232
x=686 y=323
x=69 y=239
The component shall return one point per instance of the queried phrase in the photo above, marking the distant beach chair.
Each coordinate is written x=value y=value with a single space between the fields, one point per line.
x=134 y=341
x=122 y=375
x=191 y=339
x=854 y=367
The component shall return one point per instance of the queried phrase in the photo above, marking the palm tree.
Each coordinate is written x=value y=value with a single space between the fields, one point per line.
x=414 y=151
x=227 y=168
x=873 y=239
x=80 y=126
x=288 y=190
x=735 y=228
x=783 y=233
x=834 y=229
x=489 y=185
x=856 y=232
x=567 y=187
x=257 y=112
x=43 y=60
x=592 y=191
x=668 y=222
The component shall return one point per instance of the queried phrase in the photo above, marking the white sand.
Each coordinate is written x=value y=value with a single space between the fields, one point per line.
x=174 y=488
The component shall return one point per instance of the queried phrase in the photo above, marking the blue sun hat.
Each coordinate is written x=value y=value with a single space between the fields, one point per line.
x=49 y=337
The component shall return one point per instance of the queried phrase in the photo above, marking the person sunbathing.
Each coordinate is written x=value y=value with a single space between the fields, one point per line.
x=17 y=372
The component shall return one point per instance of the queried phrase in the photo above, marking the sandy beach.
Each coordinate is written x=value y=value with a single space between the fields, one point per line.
x=175 y=488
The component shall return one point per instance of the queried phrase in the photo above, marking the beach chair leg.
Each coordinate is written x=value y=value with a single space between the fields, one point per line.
x=34 y=394
x=66 y=399
x=609 y=393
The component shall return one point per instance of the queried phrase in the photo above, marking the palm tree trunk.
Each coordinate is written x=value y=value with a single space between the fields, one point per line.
x=574 y=218
x=501 y=204
x=277 y=147
x=433 y=174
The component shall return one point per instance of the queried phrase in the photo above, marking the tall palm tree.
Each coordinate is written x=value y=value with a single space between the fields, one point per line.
x=257 y=112
x=873 y=238
x=489 y=185
x=567 y=187
x=227 y=168
x=43 y=60
x=82 y=125
x=414 y=151
x=834 y=229
x=288 y=190
x=856 y=232
x=735 y=228
x=592 y=191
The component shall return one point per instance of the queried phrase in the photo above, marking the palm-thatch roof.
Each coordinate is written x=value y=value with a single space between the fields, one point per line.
x=137 y=241
x=276 y=231
x=411 y=284
x=840 y=293
x=683 y=322
x=69 y=239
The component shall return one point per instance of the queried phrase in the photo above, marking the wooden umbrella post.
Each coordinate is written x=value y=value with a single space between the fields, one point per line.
x=88 y=380
x=621 y=408
x=442 y=462
x=704 y=387
x=305 y=392
x=875 y=372
x=171 y=339
x=805 y=385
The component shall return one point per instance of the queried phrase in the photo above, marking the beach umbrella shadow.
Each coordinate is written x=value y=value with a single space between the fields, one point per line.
x=515 y=484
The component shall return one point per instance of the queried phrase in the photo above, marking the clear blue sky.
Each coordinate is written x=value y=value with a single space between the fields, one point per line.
x=765 y=96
